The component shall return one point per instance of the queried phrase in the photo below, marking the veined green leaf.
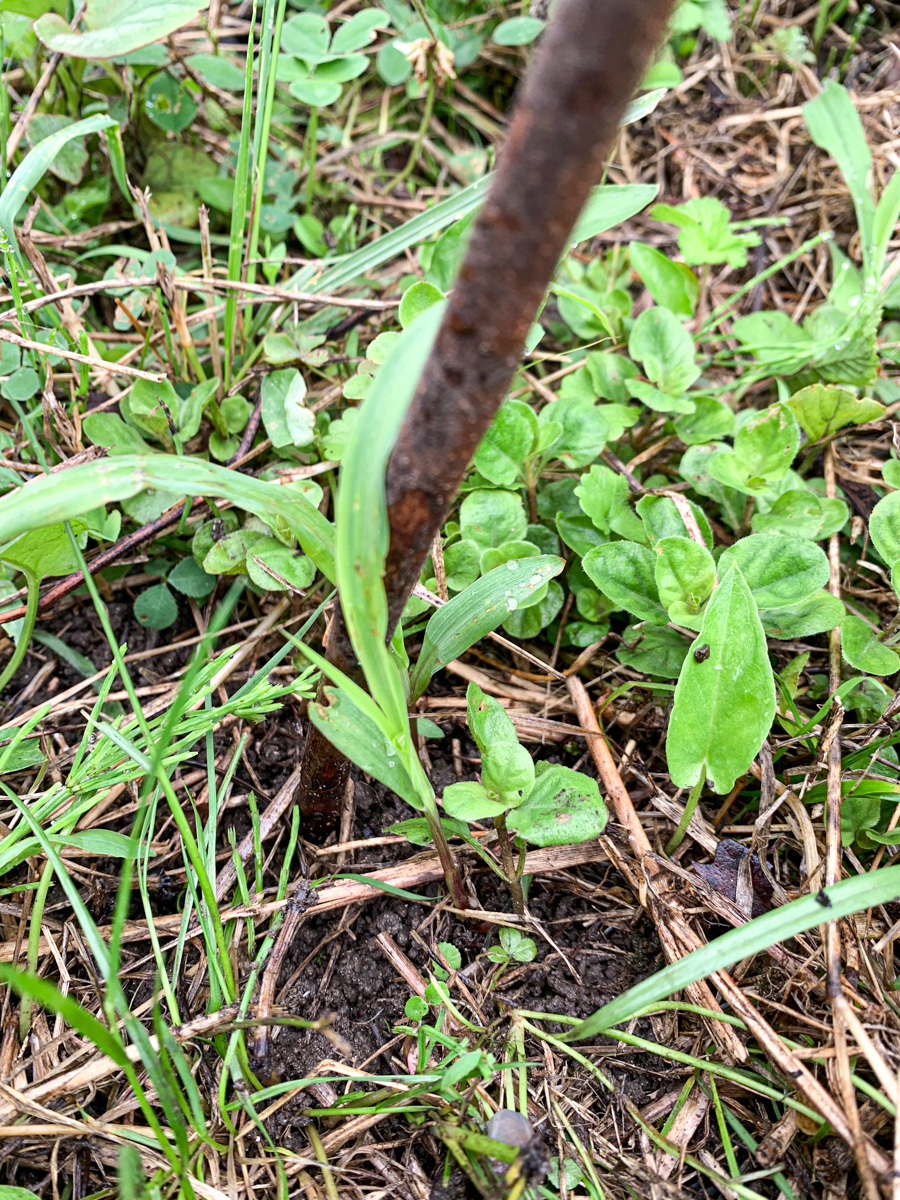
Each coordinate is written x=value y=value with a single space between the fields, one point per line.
x=477 y=611
x=823 y=409
x=626 y=572
x=50 y=499
x=835 y=127
x=725 y=696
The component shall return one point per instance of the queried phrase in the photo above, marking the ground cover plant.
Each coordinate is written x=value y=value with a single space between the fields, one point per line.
x=449 y=732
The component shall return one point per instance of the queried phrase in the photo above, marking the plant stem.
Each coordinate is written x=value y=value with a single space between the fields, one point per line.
x=423 y=786
x=509 y=865
x=34 y=588
x=693 y=799
x=312 y=138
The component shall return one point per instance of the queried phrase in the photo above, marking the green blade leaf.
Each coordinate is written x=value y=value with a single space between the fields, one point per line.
x=34 y=165
x=477 y=611
x=33 y=988
x=724 y=699
x=58 y=497
x=835 y=127
x=844 y=898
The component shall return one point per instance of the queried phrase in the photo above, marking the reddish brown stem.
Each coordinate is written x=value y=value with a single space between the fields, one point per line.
x=590 y=60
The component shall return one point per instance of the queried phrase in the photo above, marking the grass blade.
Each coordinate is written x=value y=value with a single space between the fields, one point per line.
x=34 y=165
x=58 y=497
x=841 y=900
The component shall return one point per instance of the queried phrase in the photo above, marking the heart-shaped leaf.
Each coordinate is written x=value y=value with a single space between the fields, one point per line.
x=626 y=573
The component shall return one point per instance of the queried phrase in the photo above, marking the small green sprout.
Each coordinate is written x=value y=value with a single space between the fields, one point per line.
x=545 y=804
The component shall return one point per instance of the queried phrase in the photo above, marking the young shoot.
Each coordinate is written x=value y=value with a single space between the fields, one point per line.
x=544 y=803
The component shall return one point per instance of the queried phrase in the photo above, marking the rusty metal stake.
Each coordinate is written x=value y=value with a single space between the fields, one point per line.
x=590 y=60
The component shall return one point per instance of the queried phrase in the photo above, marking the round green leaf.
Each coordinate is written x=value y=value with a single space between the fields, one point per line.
x=307 y=35
x=416 y=1008
x=277 y=568
x=156 y=608
x=490 y=517
x=168 y=104
x=393 y=65
x=564 y=808
x=518 y=31
x=318 y=93
x=884 y=528
x=470 y=802
x=190 y=579
x=528 y=621
x=341 y=70
x=21 y=385
x=358 y=31
x=863 y=651
x=462 y=565
x=416 y=299
x=518 y=946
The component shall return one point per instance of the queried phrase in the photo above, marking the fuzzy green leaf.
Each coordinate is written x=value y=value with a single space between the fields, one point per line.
x=563 y=809
x=626 y=572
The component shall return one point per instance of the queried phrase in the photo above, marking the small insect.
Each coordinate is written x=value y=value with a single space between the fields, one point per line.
x=701 y=654
x=823 y=898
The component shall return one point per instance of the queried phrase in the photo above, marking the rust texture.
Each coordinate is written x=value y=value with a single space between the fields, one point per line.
x=589 y=62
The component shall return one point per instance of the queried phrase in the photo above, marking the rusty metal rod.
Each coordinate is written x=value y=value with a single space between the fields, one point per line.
x=589 y=62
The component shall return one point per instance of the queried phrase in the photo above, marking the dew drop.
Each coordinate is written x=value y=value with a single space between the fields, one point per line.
x=512 y=603
x=535 y=580
x=513 y=564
